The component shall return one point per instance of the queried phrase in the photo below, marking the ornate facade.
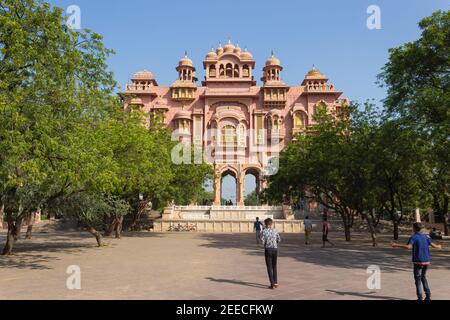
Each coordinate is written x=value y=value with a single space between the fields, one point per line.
x=239 y=125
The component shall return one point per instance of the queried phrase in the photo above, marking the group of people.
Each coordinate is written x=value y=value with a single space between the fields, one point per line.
x=419 y=243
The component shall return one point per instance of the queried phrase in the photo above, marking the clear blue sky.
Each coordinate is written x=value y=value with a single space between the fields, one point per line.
x=331 y=34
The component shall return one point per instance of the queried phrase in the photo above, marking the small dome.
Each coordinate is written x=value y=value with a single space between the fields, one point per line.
x=237 y=50
x=185 y=61
x=182 y=114
x=314 y=72
x=246 y=55
x=219 y=50
x=229 y=47
x=143 y=75
x=212 y=55
x=273 y=61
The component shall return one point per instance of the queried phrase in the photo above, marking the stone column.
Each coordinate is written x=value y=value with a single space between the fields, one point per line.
x=418 y=215
x=240 y=190
x=217 y=191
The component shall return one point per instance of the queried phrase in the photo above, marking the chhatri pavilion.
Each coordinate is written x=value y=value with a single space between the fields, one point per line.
x=240 y=125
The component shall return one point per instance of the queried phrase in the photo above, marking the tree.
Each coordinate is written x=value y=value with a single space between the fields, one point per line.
x=316 y=166
x=395 y=179
x=54 y=88
x=417 y=79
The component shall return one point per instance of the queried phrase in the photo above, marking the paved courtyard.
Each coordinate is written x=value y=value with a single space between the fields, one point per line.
x=209 y=266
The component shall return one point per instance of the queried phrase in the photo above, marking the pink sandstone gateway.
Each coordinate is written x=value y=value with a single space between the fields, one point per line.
x=240 y=125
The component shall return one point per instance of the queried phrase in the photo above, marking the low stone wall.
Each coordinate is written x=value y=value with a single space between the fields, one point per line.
x=227 y=226
x=222 y=212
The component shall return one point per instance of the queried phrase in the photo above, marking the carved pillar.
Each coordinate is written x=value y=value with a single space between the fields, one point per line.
x=418 y=219
x=217 y=190
x=240 y=190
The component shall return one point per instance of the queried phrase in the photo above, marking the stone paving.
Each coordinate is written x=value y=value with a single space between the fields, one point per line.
x=209 y=266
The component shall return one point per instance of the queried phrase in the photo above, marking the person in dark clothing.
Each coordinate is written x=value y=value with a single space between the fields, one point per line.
x=257 y=229
x=270 y=239
x=435 y=234
x=325 y=230
x=420 y=244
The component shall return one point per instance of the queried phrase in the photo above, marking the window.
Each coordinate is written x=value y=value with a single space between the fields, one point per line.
x=299 y=120
x=212 y=71
x=246 y=71
x=229 y=70
x=229 y=136
x=241 y=135
x=236 y=71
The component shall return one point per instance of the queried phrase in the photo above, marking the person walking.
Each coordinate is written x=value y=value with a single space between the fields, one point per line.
x=270 y=239
x=257 y=229
x=420 y=244
x=325 y=230
x=308 y=229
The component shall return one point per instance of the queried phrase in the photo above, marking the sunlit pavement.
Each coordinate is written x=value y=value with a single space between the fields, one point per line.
x=210 y=266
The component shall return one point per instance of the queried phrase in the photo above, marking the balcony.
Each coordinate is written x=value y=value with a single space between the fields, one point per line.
x=319 y=87
x=276 y=134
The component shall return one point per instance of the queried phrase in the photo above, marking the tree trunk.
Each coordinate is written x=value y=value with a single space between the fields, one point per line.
x=395 y=222
x=11 y=237
x=97 y=236
x=17 y=229
x=7 y=249
x=2 y=210
x=119 y=223
x=371 y=229
x=29 y=232
x=446 y=231
x=111 y=228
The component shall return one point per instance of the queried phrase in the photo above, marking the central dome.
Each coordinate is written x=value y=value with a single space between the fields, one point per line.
x=229 y=47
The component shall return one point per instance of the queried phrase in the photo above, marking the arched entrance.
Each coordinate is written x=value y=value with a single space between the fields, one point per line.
x=252 y=185
x=228 y=187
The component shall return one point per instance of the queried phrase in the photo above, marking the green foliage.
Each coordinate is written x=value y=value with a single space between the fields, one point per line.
x=360 y=161
x=65 y=140
x=417 y=78
x=251 y=199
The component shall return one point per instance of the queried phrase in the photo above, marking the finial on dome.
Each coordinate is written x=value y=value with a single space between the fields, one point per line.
x=229 y=41
x=185 y=54
x=273 y=54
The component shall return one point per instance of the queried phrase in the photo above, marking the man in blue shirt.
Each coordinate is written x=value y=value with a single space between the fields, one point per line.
x=420 y=244
x=257 y=228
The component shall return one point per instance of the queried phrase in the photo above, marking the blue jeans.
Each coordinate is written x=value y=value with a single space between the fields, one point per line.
x=420 y=277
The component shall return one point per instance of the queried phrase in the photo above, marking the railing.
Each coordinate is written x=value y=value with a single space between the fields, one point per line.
x=138 y=87
x=241 y=208
x=320 y=87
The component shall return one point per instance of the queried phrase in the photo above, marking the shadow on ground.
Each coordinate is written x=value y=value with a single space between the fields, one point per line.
x=355 y=254
x=36 y=253
x=238 y=282
x=369 y=295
